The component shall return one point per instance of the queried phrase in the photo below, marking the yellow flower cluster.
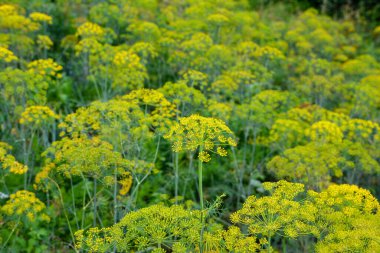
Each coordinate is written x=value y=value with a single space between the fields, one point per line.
x=145 y=31
x=218 y=110
x=125 y=182
x=8 y=10
x=279 y=213
x=84 y=121
x=265 y=107
x=351 y=145
x=180 y=93
x=39 y=181
x=10 y=18
x=333 y=217
x=159 y=111
x=363 y=131
x=90 y=30
x=38 y=115
x=7 y=55
x=198 y=44
x=325 y=132
x=25 y=204
x=289 y=211
x=23 y=86
x=348 y=217
x=247 y=49
x=349 y=199
x=302 y=115
x=128 y=72
x=122 y=122
x=236 y=241
x=9 y=162
x=88 y=46
x=360 y=66
x=195 y=78
x=126 y=58
x=359 y=160
x=225 y=84
x=270 y=52
x=145 y=50
x=367 y=97
x=376 y=31
x=197 y=132
x=46 y=67
x=361 y=234
x=80 y=156
x=285 y=133
x=311 y=33
x=218 y=19
x=152 y=228
x=311 y=164
x=44 y=42
x=41 y=17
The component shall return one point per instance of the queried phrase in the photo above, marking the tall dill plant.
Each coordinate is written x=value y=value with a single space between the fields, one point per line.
x=205 y=135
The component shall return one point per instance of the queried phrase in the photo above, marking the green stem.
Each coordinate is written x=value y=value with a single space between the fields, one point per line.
x=10 y=235
x=115 y=217
x=73 y=201
x=83 y=210
x=200 y=189
x=176 y=178
x=64 y=209
x=94 y=202
x=200 y=182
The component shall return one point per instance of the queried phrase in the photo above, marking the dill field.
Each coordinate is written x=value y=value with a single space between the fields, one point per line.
x=186 y=126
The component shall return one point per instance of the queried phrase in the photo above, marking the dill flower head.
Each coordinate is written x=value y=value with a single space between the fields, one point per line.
x=45 y=67
x=209 y=135
x=286 y=133
x=38 y=115
x=349 y=199
x=125 y=182
x=82 y=156
x=11 y=17
x=311 y=164
x=145 y=31
x=153 y=228
x=195 y=78
x=128 y=70
x=158 y=111
x=44 y=42
x=7 y=55
x=218 y=19
x=348 y=218
x=362 y=131
x=25 y=204
x=279 y=213
x=8 y=10
x=220 y=110
x=325 y=132
x=236 y=241
x=41 y=17
x=40 y=181
x=145 y=50
x=180 y=93
x=8 y=161
x=90 y=30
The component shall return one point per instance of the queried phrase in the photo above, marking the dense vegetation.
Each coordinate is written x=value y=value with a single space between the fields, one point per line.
x=188 y=126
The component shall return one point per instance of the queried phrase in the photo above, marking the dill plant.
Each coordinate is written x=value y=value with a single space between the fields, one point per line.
x=204 y=135
x=92 y=93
